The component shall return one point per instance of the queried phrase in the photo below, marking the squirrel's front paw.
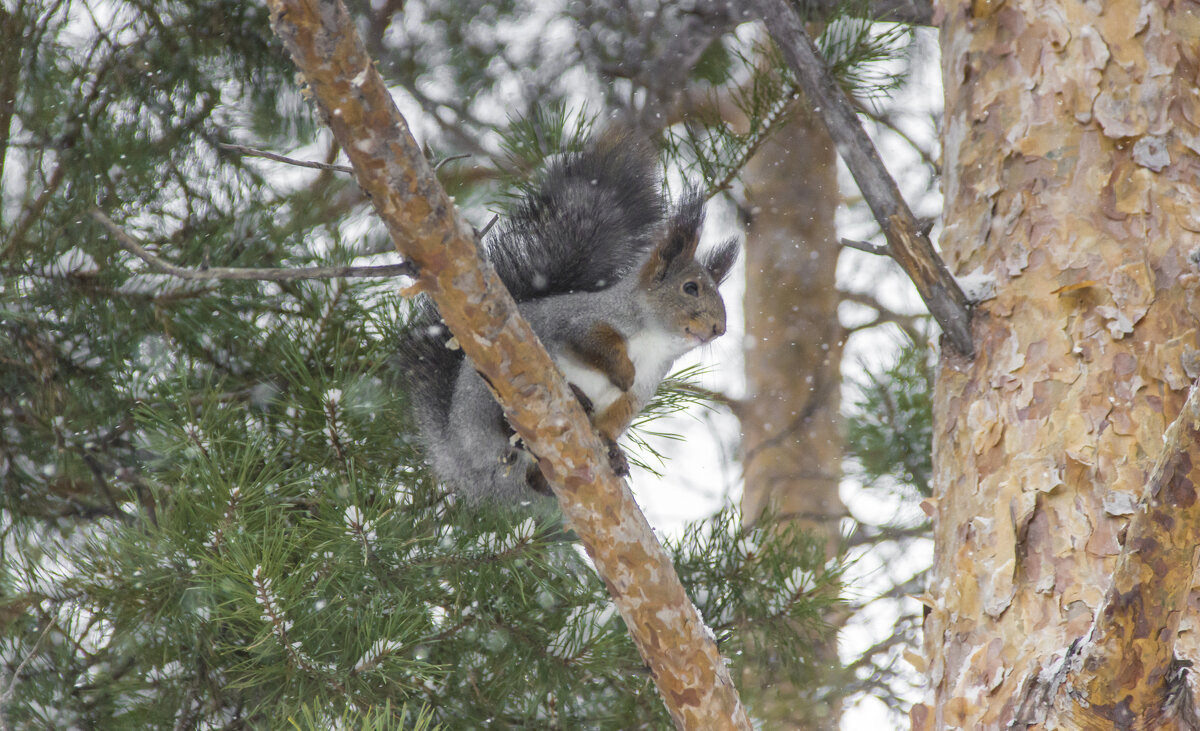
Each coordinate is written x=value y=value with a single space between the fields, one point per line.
x=617 y=460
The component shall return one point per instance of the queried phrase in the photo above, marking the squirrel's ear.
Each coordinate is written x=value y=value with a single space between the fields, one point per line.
x=720 y=260
x=682 y=236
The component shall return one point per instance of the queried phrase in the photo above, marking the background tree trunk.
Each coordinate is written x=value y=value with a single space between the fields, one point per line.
x=790 y=419
x=1072 y=176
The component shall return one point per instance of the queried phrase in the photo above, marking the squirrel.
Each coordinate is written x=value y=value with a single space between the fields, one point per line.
x=608 y=278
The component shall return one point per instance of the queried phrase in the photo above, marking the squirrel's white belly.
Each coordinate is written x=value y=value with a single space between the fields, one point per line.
x=652 y=353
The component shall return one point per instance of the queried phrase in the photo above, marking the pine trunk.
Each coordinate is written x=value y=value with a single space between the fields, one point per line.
x=790 y=419
x=1072 y=177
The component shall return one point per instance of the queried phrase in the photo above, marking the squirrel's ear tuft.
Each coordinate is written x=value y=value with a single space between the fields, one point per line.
x=719 y=261
x=683 y=229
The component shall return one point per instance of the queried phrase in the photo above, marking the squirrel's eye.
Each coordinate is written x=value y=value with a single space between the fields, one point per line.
x=691 y=288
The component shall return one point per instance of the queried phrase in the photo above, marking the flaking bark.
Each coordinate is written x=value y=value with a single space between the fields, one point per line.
x=1071 y=176
x=1124 y=674
x=423 y=222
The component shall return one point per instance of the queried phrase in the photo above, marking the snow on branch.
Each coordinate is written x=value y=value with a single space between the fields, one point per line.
x=690 y=674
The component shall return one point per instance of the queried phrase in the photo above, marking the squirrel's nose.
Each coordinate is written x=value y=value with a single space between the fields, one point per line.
x=718 y=329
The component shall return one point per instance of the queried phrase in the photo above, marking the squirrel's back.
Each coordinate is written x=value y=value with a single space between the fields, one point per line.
x=585 y=224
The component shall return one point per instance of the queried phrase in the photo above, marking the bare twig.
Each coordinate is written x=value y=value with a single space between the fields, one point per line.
x=886 y=120
x=289 y=160
x=403 y=269
x=451 y=158
x=910 y=324
x=865 y=246
x=910 y=248
x=867 y=656
x=98 y=472
x=484 y=231
x=6 y=696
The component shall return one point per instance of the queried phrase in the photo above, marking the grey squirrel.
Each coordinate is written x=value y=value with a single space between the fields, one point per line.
x=607 y=276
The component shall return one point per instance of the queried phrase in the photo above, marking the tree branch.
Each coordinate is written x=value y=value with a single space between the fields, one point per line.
x=907 y=244
x=690 y=674
x=887 y=120
x=6 y=696
x=403 y=269
x=909 y=324
x=865 y=246
x=252 y=152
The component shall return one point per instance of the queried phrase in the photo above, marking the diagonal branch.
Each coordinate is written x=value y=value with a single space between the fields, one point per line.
x=403 y=269
x=907 y=244
x=690 y=674
x=7 y=694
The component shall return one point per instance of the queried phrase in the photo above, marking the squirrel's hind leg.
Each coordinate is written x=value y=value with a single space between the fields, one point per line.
x=616 y=457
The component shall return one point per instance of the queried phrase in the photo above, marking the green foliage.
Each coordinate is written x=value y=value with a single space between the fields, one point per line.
x=383 y=719
x=546 y=131
x=211 y=511
x=715 y=151
x=860 y=53
x=785 y=589
x=679 y=392
x=889 y=432
x=294 y=558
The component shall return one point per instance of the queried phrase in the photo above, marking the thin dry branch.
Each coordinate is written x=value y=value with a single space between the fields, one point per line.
x=690 y=674
x=887 y=120
x=866 y=246
x=907 y=244
x=909 y=324
x=7 y=694
x=451 y=158
x=130 y=244
x=252 y=152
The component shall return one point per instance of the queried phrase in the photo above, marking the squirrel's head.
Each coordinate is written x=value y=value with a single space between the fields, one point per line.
x=680 y=287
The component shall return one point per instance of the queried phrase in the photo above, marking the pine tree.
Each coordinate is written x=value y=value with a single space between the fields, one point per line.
x=213 y=515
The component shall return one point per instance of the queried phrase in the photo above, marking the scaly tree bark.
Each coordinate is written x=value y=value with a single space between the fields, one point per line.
x=1073 y=177
x=791 y=439
x=690 y=674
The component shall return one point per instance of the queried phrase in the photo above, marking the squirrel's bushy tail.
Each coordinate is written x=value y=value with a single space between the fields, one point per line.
x=586 y=224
